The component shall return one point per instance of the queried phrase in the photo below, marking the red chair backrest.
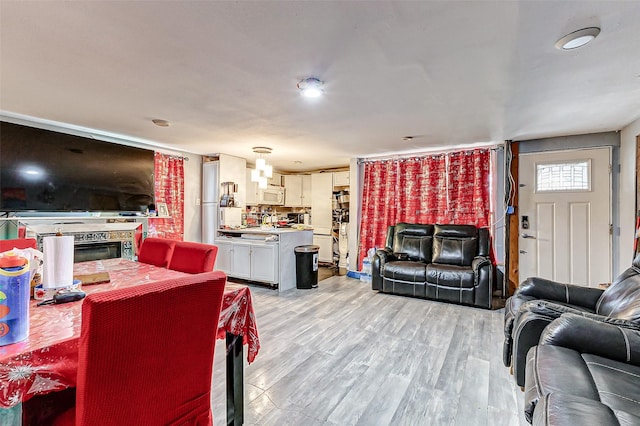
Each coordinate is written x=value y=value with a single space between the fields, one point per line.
x=146 y=353
x=156 y=251
x=193 y=258
x=20 y=243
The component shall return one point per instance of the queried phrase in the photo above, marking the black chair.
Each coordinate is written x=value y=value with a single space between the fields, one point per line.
x=539 y=301
x=584 y=371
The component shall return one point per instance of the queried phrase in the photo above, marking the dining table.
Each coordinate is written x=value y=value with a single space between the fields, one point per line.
x=46 y=361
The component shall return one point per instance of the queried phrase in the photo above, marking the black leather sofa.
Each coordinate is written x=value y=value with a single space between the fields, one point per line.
x=441 y=262
x=538 y=301
x=584 y=372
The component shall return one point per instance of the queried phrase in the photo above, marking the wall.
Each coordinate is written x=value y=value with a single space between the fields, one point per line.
x=355 y=192
x=627 y=210
x=192 y=198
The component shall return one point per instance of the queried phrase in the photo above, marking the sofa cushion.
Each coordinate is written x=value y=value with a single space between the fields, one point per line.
x=454 y=244
x=450 y=276
x=414 y=240
x=552 y=369
x=405 y=271
x=617 y=383
x=561 y=409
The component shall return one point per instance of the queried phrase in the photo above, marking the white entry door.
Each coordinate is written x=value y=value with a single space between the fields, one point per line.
x=565 y=216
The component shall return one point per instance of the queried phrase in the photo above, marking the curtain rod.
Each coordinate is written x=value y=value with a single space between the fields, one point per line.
x=179 y=157
x=427 y=153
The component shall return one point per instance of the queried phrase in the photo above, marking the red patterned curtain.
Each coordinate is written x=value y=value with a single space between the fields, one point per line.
x=444 y=188
x=169 y=189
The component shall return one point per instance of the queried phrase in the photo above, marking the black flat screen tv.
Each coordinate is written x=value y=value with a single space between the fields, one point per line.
x=43 y=170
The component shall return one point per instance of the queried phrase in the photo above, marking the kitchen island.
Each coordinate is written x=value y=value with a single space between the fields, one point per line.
x=261 y=255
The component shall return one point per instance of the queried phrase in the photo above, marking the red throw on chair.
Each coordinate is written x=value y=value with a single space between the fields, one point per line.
x=193 y=258
x=156 y=251
x=146 y=354
x=19 y=243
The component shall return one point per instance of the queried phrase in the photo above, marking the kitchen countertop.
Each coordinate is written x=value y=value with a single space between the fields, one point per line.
x=258 y=230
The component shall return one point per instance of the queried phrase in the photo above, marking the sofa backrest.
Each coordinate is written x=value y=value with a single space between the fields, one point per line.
x=622 y=298
x=415 y=240
x=455 y=244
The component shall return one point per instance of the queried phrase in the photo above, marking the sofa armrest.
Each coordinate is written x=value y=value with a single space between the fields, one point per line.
x=381 y=257
x=596 y=337
x=480 y=261
x=545 y=308
x=385 y=255
x=529 y=322
x=483 y=273
x=542 y=288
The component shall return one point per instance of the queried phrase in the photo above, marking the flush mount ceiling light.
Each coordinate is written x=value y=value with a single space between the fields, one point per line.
x=311 y=87
x=161 y=123
x=577 y=38
x=262 y=170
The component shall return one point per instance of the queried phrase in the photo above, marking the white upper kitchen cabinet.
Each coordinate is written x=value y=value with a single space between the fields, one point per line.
x=252 y=190
x=306 y=190
x=234 y=169
x=321 y=202
x=293 y=190
x=341 y=178
x=275 y=179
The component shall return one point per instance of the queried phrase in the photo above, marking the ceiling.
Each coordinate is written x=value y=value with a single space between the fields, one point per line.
x=224 y=74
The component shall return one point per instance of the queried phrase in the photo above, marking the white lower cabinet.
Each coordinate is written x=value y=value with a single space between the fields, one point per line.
x=264 y=262
x=325 y=242
x=240 y=260
x=224 y=257
x=248 y=260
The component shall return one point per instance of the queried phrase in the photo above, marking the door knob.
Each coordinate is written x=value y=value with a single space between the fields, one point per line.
x=528 y=236
x=523 y=252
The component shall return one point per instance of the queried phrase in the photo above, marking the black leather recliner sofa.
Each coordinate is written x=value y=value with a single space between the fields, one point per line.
x=584 y=372
x=538 y=301
x=441 y=262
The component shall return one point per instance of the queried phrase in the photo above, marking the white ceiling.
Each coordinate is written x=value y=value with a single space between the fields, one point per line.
x=225 y=73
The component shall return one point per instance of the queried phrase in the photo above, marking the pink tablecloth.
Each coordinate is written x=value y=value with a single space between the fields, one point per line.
x=47 y=360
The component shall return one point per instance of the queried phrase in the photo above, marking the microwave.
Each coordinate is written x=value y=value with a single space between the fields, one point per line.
x=273 y=196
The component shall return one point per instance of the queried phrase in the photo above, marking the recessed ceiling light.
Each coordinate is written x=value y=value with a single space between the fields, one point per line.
x=407 y=138
x=161 y=123
x=311 y=87
x=577 y=38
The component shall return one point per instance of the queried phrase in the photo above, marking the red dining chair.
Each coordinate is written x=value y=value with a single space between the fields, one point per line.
x=146 y=354
x=19 y=243
x=156 y=251
x=193 y=258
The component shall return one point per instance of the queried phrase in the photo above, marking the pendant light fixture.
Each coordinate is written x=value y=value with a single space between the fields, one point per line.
x=263 y=171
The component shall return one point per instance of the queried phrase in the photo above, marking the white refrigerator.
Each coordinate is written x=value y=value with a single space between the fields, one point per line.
x=214 y=216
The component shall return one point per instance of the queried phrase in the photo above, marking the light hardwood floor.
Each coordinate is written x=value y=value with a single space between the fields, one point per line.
x=343 y=354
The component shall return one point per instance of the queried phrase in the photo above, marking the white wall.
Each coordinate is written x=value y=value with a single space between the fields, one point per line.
x=627 y=193
x=355 y=190
x=192 y=198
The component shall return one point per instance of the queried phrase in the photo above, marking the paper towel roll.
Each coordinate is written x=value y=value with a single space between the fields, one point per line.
x=58 y=261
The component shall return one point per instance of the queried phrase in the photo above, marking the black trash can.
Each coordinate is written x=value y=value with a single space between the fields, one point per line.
x=307 y=266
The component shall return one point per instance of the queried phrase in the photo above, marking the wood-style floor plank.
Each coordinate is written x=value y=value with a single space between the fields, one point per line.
x=343 y=354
